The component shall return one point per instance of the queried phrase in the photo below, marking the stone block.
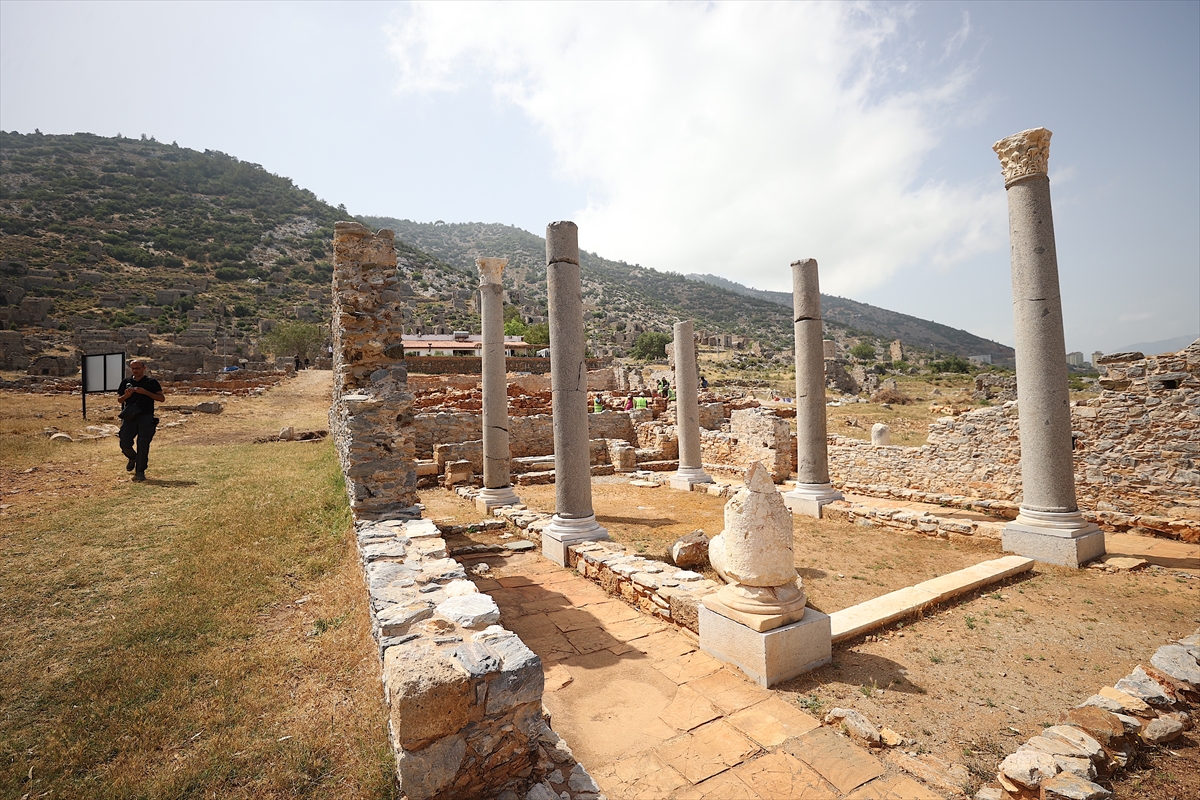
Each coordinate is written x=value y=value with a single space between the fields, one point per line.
x=1033 y=542
x=773 y=656
x=429 y=697
x=423 y=774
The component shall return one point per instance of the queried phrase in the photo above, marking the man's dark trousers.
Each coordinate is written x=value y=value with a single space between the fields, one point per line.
x=142 y=429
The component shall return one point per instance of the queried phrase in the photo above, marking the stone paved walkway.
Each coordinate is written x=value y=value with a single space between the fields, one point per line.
x=650 y=716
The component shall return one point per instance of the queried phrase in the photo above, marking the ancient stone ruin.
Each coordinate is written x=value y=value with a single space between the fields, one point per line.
x=465 y=693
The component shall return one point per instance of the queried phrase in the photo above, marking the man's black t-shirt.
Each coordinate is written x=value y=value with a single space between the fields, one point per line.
x=144 y=402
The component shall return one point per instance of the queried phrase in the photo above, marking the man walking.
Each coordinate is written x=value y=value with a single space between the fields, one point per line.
x=138 y=394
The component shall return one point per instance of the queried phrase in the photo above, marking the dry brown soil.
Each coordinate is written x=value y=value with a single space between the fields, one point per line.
x=969 y=681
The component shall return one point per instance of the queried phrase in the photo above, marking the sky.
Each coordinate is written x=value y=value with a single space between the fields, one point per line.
x=718 y=138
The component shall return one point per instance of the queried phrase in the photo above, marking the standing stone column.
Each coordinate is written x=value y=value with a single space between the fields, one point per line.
x=497 y=482
x=573 y=521
x=687 y=410
x=1049 y=526
x=813 y=488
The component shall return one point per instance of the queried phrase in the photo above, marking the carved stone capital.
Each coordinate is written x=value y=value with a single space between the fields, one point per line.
x=1023 y=154
x=490 y=269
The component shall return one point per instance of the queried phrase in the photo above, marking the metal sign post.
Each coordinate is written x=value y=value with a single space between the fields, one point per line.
x=102 y=372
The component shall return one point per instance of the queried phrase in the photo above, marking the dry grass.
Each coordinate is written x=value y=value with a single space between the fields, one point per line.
x=155 y=645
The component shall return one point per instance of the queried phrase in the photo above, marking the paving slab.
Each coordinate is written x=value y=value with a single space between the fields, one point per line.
x=782 y=775
x=651 y=716
x=879 y=611
x=773 y=722
x=711 y=748
x=837 y=760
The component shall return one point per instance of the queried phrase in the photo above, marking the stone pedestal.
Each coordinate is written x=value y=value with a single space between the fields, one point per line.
x=573 y=521
x=772 y=656
x=687 y=410
x=813 y=488
x=758 y=620
x=497 y=480
x=1049 y=526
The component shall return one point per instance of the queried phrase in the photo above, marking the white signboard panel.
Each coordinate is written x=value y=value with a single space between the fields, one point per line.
x=103 y=372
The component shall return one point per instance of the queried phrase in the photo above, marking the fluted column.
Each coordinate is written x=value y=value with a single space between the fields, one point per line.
x=1049 y=526
x=573 y=520
x=497 y=480
x=687 y=410
x=813 y=488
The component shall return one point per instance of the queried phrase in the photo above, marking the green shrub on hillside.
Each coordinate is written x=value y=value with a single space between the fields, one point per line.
x=650 y=345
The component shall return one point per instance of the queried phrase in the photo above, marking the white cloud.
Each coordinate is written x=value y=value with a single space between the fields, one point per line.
x=721 y=138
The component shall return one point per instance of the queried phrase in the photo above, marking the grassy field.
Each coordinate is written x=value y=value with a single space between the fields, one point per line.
x=203 y=634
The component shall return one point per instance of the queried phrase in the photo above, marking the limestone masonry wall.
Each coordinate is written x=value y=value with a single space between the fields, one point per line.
x=1137 y=451
x=527 y=436
x=464 y=695
x=371 y=415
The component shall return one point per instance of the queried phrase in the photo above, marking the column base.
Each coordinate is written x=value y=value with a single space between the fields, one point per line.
x=807 y=498
x=772 y=656
x=1063 y=538
x=487 y=499
x=684 y=477
x=561 y=533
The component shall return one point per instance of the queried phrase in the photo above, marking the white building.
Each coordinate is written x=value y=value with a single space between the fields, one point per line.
x=460 y=343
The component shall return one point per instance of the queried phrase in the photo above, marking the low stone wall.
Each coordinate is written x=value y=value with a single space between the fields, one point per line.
x=531 y=435
x=1137 y=452
x=472 y=365
x=456 y=683
x=663 y=590
x=464 y=695
x=1149 y=707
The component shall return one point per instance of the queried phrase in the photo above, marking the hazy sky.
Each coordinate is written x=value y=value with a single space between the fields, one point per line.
x=730 y=139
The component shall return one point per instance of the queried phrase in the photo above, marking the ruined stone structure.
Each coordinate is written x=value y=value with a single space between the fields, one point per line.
x=1134 y=460
x=372 y=409
x=464 y=695
x=1049 y=527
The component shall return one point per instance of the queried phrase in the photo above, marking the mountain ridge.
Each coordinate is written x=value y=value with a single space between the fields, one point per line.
x=883 y=322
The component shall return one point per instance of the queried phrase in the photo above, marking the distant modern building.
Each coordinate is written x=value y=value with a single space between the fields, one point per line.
x=1096 y=356
x=986 y=358
x=1075 y=359
x=460 y=343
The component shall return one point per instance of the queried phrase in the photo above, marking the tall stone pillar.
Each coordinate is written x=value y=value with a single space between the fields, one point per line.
x=1049 y=526
x=497 y=481
x=813 y=488
x=687 y=410
x=573 y=521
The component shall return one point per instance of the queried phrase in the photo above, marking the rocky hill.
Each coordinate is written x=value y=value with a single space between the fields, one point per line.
x=890 y=325
x=114 y=233
x=622 y=300
x=625 y=299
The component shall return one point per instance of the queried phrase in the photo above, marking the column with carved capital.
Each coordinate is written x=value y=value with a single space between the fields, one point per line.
x=1049 y=526
x=813 y=488
x=573 y=521
x=497 y=481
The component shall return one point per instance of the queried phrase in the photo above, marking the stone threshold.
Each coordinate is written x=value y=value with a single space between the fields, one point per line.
x=1161 y=527
x=872 y=614
x=911 y=520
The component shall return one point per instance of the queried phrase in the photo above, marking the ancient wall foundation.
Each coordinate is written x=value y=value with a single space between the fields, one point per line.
x=1136 y=457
